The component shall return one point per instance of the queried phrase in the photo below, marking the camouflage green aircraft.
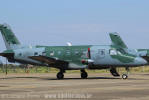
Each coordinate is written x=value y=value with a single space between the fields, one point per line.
x=79 y=57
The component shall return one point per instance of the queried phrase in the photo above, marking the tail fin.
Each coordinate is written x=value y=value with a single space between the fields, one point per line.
x=116 y=40
x=9 y=37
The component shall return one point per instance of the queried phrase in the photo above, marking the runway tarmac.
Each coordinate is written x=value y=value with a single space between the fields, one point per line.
x=98 y=86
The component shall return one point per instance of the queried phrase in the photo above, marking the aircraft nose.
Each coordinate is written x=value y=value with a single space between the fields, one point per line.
x=140 y=61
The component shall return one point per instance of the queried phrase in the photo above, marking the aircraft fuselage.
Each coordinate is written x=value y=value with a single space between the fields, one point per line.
x=101 y=56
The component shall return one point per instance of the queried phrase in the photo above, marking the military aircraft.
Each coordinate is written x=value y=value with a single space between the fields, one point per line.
x=73 y=57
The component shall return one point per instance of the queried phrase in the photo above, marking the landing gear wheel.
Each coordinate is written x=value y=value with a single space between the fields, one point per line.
x=60 y=75
x=124 y=76
x=84 y=75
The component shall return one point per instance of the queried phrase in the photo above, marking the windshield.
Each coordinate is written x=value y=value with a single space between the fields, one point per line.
x=113 y=52
x=122 y=51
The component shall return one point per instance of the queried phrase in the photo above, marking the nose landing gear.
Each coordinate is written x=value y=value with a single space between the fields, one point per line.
x=116 y=74
x=125 y=76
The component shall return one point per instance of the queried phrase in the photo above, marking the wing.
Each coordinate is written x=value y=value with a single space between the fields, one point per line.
x=7 y=54
x=49 y=60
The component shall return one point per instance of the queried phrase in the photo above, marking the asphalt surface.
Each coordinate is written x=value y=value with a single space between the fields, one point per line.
x=97 y=86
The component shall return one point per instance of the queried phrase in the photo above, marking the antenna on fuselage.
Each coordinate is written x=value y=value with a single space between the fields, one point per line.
x=69 y=44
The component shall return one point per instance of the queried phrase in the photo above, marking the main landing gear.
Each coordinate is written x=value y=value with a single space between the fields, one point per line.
x=84 y=74
x=60 y=75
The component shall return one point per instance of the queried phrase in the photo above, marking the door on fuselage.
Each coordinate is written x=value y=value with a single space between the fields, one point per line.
x=100 y=54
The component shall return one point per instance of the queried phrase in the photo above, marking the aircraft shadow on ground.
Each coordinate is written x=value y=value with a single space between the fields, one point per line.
x=43 y=78
x=89 y=78
x=145 y=74
x=19 y=77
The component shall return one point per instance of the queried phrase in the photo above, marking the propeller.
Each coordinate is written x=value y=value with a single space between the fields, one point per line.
x=88 y=61
x=89 y=53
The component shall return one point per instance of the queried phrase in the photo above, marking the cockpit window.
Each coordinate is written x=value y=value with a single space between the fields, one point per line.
x=113 y=52
x=121 y=51
x=118 y=52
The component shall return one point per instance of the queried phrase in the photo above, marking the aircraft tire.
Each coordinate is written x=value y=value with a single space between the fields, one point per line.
x=60 y=75
x=84 y=75
x=124 y=76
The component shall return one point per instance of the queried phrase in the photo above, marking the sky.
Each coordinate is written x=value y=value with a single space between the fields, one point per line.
x=55 y=22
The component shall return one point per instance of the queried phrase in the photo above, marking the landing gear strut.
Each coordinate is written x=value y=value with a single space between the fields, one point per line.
x=114 y=72
x=60 y=75
x=125 y=76
x=84 y=74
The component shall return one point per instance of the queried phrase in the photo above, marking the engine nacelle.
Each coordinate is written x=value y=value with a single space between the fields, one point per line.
x=87 y=61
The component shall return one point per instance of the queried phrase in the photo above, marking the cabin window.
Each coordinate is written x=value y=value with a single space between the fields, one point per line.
x=113 y=52
x=59 y=52
x=20 y=54
x=76 y=52
x=84 y=54
x=51 y=53
x=36 y=53
x=68 y=52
